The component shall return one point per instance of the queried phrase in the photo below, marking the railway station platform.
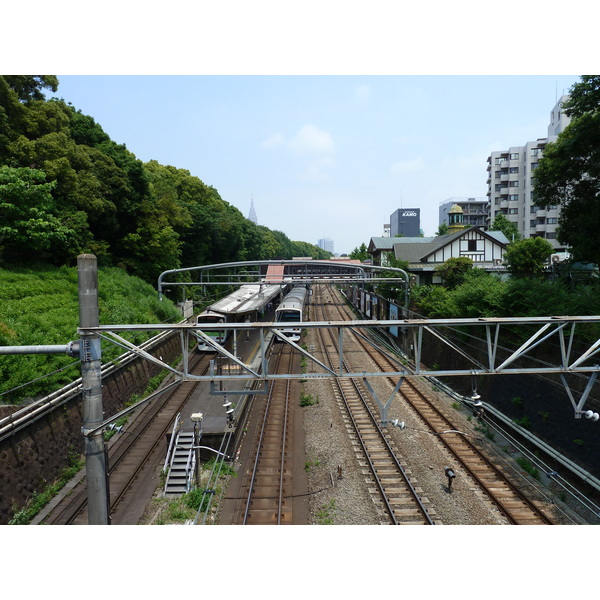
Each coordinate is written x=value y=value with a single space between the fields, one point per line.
x=215 y=423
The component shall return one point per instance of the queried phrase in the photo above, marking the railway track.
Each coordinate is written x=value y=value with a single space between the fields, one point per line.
x=134 y=452
x=399 y=497
x=517 y=507
x=266 y=486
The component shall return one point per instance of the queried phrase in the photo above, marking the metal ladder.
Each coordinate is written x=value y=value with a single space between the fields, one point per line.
x=182 y=464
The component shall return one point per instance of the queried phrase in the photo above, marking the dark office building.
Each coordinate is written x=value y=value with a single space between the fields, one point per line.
x=405 y=222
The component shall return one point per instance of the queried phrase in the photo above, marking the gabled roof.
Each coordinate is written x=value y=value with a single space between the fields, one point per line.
x=382 y=243
x=416 y=250
x=387 y=243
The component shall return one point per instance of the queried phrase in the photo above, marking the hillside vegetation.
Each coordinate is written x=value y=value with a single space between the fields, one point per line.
x=39 y=306
x=66 y=188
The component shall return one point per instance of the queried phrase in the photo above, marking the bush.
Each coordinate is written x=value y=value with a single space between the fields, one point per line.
x=41 y=307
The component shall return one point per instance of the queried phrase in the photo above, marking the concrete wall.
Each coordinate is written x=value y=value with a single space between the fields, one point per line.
x=33 y=457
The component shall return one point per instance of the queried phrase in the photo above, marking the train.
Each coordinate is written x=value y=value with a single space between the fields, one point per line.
x=217 y=335
x=245 y=303
x=290 y=310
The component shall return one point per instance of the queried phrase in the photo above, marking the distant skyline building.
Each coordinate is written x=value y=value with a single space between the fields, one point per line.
x=510 y=183
x=252 y=214
x=326 y=244
x=405 y=222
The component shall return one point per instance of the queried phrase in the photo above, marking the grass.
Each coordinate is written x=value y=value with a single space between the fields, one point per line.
x=528 y=467
x=308 y=465
x=326 y=515
x=186 y=507
x=307 y=399
x=41 y=307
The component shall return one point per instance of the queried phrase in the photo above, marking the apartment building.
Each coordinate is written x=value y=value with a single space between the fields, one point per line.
x=476 y=211
x=510 y=183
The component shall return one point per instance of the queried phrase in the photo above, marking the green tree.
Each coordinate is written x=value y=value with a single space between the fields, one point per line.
x=434 y=302
x=453 y=271
x=528 y=257
x=479 y=295
x=29 y=87
x=568 y=174
x=392 y=290
x=508 y=228
x=361 y=253
x=30 y=230
x=442 y=229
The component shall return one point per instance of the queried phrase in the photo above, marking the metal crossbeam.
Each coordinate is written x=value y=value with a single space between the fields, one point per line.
x=546 y=328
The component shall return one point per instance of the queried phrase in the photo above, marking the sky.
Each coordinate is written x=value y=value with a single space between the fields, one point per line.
x=327 y=116
x=324 y=156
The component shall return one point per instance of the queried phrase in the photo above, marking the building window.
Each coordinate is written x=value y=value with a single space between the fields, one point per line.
x=550 y=235
x=532 y=210
x=534 y=166
x=514 y=170
x=536 y=151
x=514 y=156
x=552 y=220
x=532 y=223
x=513 y=211
x=514 y=197
x=513 y=183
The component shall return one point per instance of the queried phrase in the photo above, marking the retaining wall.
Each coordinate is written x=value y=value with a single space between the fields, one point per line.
x=33 y=457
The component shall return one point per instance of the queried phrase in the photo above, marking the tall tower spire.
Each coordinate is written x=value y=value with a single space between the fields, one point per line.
x=252 y=215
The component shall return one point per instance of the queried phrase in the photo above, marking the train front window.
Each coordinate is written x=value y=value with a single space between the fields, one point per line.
x=288 y=317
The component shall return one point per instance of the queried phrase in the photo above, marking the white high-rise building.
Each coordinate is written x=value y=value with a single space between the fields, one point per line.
x=510 y=183
x=326 y=244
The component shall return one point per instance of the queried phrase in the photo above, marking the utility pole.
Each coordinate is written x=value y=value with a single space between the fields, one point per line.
x=91 y=384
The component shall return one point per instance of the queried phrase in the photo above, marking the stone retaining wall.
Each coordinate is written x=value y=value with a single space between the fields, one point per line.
x=33 y=457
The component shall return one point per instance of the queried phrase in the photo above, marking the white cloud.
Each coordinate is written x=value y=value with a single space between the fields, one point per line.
x=407 y=166
x=276 y=139
x=312 y=140
x=314 y=144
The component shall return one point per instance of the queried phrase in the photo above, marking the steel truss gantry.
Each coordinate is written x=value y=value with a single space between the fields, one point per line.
x=307 y=271
x=558 y=330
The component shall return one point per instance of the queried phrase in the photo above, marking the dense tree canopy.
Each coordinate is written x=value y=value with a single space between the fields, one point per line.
x=528 y=257
x=568 y=174
x=508 y=228
x=453 y=271
x=67 y=188
x=361 y=253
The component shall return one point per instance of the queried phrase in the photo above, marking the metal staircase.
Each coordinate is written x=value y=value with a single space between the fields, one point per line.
x=181 y=464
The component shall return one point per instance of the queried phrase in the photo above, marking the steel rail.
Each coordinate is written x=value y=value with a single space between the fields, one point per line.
x=255 y=470
x=364 y=405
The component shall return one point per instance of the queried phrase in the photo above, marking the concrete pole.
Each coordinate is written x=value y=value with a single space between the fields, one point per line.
x=93 y=414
